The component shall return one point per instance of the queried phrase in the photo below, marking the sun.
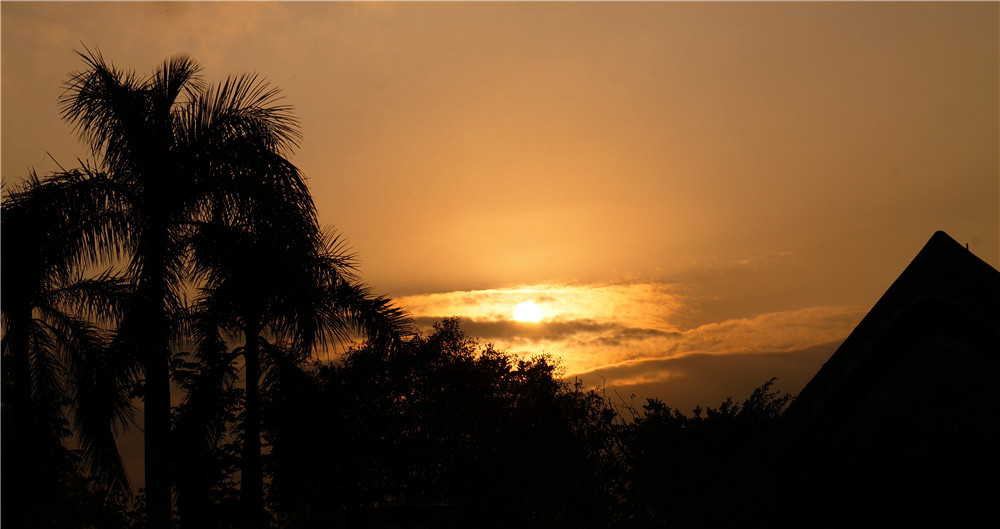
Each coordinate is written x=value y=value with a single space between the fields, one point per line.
x=527 y=311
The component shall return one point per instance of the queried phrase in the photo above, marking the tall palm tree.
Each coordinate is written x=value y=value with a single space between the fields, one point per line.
x=55 y=345
x=180 y=154
x=278 y=279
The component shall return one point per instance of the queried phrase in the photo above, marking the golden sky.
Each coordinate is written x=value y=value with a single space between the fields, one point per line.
x=698 y=196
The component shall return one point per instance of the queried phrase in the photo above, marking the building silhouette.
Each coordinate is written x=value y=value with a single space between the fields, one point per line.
x=902 y=424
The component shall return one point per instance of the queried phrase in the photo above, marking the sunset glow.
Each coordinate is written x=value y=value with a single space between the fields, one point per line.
x=717 y=179
x=630 y=335
x=671 y=199
x=527 y=311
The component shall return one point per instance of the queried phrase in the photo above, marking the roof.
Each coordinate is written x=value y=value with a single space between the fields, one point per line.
x=925 y=358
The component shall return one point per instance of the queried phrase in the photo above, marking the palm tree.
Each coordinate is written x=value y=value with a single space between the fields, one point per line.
x=276 y=276
x=203 y=430
x=55 y=345
x=180 y=155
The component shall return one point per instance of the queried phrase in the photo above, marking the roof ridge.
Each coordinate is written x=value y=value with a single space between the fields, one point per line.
x=943 y=273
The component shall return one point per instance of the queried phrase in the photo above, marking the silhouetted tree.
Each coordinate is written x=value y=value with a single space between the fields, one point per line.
x=715 y=468
x=56 y=355
x=280 y=279
x=177 y=155
x=207 y=443
x=441 y=429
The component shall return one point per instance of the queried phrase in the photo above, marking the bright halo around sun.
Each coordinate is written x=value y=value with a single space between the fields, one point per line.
x=527 y=311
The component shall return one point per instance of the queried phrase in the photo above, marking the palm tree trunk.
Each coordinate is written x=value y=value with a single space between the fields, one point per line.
x=27 y=483
x=157 y=431
x=156 y=366
x=252 y=487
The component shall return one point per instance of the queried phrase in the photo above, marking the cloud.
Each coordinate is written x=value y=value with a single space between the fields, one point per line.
x=648 y=305
x=656 y=369
x=591 y=327
x=775 y=331
x=612 y=334
x=700 y=379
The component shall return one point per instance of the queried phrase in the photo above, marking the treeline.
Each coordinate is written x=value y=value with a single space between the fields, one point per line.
x=444 y=432
x=454 y=434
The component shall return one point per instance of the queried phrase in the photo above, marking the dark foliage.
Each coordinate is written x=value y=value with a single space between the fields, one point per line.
x=464 y=434
x=459 y=435
x=56 y=364
x=714 y=468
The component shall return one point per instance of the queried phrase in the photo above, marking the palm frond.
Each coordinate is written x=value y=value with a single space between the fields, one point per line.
x=176 y=76
x=243 y=109
x=69 y=220
x=103 y=297
x=337 y=255
x=376 y=318
x=107 y=108
x=46 y=387
x=281 y=365
x=102 y=410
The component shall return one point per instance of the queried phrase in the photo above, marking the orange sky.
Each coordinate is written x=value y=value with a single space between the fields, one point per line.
x=700 y=195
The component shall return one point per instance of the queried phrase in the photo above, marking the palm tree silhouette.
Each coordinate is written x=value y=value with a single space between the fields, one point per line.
x=56 y=343
x=286 y=288
x=179 y=155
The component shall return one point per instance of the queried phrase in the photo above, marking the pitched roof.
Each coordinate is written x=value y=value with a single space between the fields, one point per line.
x=927 y=355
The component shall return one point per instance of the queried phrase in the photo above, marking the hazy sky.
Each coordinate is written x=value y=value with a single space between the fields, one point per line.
x=698 y=196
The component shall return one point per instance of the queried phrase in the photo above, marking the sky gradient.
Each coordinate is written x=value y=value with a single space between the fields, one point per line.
x=698 y=196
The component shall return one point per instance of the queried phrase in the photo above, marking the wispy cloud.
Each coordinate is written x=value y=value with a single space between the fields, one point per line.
x=559 y=303
x=686 y=381
x=594 y=327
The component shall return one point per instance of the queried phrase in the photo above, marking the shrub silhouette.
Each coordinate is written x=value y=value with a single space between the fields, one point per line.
x=484 y=437
x=457 y=434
